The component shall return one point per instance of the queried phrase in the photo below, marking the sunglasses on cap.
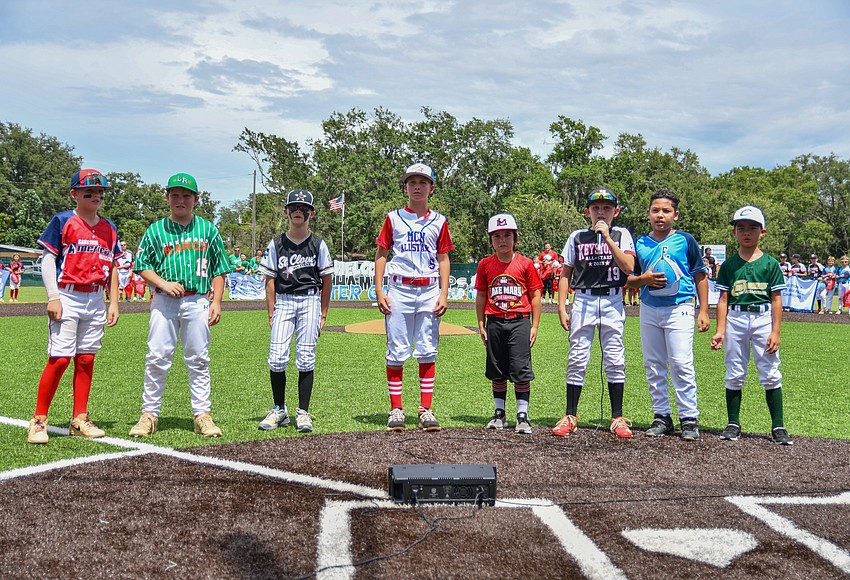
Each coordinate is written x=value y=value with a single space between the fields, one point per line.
x=602 y=195
x=91 y=180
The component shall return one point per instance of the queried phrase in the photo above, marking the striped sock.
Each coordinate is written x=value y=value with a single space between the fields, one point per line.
x=394 y=381
x=426 y=384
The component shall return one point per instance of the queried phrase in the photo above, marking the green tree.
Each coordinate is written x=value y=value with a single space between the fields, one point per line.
x=573 y=161
x=831 y=177
x=28 y=223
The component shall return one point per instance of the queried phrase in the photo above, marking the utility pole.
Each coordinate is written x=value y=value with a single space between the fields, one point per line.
x=254 y=217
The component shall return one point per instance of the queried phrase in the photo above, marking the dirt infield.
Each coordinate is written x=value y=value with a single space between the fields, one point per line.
x=585 y=506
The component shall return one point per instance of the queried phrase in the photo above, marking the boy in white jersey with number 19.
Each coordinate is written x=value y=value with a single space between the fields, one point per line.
x=418 y=287
x=182 y=258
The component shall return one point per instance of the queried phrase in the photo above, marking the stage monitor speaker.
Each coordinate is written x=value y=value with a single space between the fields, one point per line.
x=443 y=483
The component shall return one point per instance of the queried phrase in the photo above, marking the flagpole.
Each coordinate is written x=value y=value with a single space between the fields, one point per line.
x=343 y=227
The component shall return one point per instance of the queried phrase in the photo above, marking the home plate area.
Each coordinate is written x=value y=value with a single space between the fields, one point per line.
x=317 y=506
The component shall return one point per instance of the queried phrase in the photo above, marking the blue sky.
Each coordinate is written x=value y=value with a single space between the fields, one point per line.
x=159 y=87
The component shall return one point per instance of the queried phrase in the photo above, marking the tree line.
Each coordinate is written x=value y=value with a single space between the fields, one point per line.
x=479 y=172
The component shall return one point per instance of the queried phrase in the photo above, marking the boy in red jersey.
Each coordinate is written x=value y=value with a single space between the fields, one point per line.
x=508 y=292
x=80 y=249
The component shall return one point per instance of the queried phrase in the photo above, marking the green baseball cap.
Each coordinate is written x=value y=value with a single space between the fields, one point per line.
x=182 y=180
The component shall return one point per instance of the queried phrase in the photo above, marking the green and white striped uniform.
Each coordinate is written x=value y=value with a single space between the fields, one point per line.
x=191 y=255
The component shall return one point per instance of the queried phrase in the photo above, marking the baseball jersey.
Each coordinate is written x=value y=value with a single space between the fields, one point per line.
x=798 y=269
x=551 y=253
x=750 y=282
x=815 y=270
x=296 y=268
x=593 y=264
x=192 y=255
x=85 y=254
x=507 y=285
x=678 y=257
x=844 y=275
x=785 y=267
x=415 y=242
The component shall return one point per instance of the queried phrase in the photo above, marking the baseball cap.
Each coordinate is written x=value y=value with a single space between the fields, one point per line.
x=601 y=194
x=300 y=196
x=749 y=213
x=783 y=255
x=88 y=178
x=418 y=169
x=182 y=180
x=501 y=221
x=813 y=257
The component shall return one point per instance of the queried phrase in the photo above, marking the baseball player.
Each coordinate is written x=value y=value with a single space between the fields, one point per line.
x=181 y=257
x=797 y=267
x=16 y=268
x=670 y=271
x=125 y=273
x=815 y=271
x=508 y=292
x=78 y=261
x=597 y=262
x=139 y=286
x=298 y=269
x=417 y=291
x=749 y=315
x=843 y=282
x=254 y=263
x=784 y=264
x=830 y=276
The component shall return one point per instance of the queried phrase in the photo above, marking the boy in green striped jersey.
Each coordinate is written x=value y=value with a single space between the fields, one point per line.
x=183 y=260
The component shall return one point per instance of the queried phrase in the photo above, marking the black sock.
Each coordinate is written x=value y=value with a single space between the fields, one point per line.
x=279 y=388
x=615 y=393
x=573 y=395
x=305 y=388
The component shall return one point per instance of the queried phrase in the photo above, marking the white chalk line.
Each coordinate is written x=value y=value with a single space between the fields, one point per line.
x=754 y=506
x=335 y=561
x=139 y=448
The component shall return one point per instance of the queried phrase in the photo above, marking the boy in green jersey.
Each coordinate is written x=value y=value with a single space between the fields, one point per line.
x=183 y=260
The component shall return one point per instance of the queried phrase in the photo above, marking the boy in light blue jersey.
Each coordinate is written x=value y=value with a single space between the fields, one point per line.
x=670 y=273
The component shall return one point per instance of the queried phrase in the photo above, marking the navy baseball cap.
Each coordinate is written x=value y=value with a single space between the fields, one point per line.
x=300 y=196
x=602 y=194
x=88 y=178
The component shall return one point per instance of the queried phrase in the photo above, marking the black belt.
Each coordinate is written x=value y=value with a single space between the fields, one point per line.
x=599 y=291
x=308 y=291
x=185 y=293
x=509 y=315
x=756 y=308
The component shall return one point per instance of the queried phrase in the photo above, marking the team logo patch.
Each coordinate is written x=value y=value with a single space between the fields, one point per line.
x=505 y=292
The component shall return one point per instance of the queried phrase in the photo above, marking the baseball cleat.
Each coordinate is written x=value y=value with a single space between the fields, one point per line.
x=731 y=433
x=780 y=436
x=661 y=425
x=205 y=426
x=427 y=420
x=499 y=421
x=82 y=426
x=620 y=428
x=303 y=422
x=690 y=429
x=146 y=425
x=37 y=432
x=522 y=424
x=276 y=417
x=396 y=420
x=565 y=426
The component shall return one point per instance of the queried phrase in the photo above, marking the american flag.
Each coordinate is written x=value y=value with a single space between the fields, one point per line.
x=337 y=203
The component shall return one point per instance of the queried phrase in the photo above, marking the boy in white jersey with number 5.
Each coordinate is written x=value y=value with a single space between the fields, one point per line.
x=417 y=291
x=182 y=258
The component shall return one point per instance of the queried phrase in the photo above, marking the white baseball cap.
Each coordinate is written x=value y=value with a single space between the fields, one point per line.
x=418 y=169
x=750 y=213
x=501 y=221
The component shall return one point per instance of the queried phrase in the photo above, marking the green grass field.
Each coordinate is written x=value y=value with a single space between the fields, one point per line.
x=351 y=394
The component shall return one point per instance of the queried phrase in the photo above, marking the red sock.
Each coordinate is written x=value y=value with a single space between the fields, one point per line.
x=426 y=384
x=83 y=368
x=49 y=382
x=394 y=380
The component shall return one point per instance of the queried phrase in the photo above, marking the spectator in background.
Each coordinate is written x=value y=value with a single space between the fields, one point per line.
x=536 y=261
x=815 y=271
x=830 y=277
x=235 y=260
x=784 y=264
x=709 y=267
x=843 y=282
x=548 y=251
x=712 y=263
x=254 y=264
x=547 y=275
x=17 y=268
x=797 y=267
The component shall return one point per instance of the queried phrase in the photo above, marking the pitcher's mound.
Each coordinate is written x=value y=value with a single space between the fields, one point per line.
x=377 y=327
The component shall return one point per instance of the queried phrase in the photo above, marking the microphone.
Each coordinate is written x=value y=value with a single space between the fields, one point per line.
x=599 y=239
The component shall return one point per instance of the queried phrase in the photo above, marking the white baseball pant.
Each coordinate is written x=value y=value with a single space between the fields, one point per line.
x=667 y=338
x=608 y=313
x=412 y=322
x=188 y=319
x=745 y=330
x=300 y=314
x=81 y=329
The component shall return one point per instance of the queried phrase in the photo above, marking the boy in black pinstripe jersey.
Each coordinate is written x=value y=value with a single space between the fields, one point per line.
x=298 y=270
